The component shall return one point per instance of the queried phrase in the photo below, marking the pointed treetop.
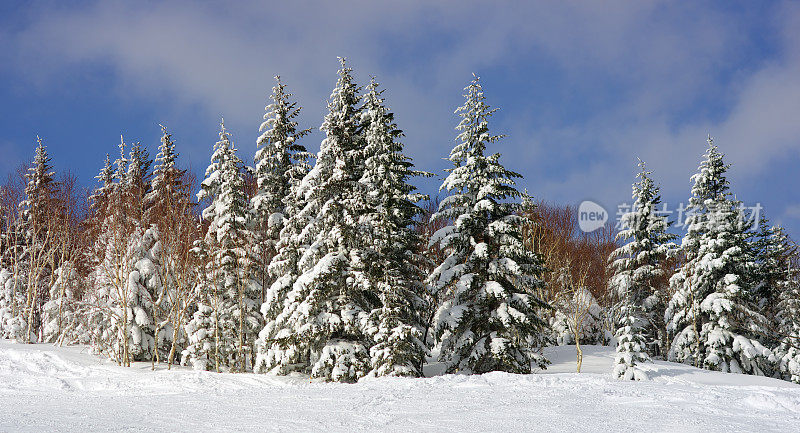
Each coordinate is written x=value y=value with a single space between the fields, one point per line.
x=710 y=181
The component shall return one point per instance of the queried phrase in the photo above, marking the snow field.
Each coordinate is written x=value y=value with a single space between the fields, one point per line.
x=46 y=388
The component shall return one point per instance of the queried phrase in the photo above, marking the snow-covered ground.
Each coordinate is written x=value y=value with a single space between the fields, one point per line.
x=46 y=388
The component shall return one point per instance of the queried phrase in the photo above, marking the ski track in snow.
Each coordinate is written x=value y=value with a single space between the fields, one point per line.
x=46 y=388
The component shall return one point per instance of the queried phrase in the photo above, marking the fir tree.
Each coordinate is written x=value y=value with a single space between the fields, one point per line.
x=35 y=270
x=631 y=343
x=61 y=314
x=322 y=327
x=281 y=160
x=168 y=188
x=489 y=318
x=392 y=257
x=788 y=316
x=778 y=293
x=638 y=265
x=713 y=315
x=235 y=292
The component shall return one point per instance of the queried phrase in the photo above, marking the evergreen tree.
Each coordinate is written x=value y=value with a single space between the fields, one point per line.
x=772 y=251
x=489 y=318
x=97 y=322
x=167 y=206
x=280 y=161
x=36 y=265
x=631 y=352
x=638 y=265
x=393 y=256
x=713 y=315
x=778 y=294
x=322 y=327
x=168 y=188
x=61 y=314
x=234 y=292
x=12 y=321
x=145 y=289
x=788 y=315
x=203 y=330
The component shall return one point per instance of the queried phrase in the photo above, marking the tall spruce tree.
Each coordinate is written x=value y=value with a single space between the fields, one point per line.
x=393 y=260
x=489 y=318
x=778 y=294
x=280 y=160
x=639 y=274
x=788 y=315
x=231 y=290
x=36 y=264
x=713 y=314
x=322 y=328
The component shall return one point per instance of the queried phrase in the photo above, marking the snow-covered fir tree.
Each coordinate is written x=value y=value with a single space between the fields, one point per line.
x=97 y=324
x=12 y=295
x=12 y=320
x=168 y=210
x=778 y=292
x=490 y=315
x=788 y=315
x=631 y=351
x=322 y=327
x=234 y=294
x=145 y=290
x=713 y=314
x=61 y=320
x=168 y=190
x=280 y=160
x=579 y=314
x=393 y=260
x=638 y=269
x=120 y=318
x=772 y=251
x=35 y=267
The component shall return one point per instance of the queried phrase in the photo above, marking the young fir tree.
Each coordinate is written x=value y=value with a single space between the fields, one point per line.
x=280 y=160
x=489 y=319
x=713 y=315
x=779 y=296
x=772 y=251
x=638 y=271
x=168 y=210
x=168 y=189
x=322 y=327
x=36 y=267
x=97 y=323
x=788 y=315
x=61 y=315
x=144 y=284
x=393 y=256
x=117 y=301
x=12 y=322
x=631 y=343
x=234 y=293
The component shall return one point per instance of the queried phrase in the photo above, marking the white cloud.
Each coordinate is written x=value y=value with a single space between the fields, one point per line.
x=656 y=55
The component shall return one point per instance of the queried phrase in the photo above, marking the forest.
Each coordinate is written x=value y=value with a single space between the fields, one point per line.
x=333 y=265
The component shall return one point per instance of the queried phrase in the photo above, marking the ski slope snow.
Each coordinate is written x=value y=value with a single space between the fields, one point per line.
x=46 y=388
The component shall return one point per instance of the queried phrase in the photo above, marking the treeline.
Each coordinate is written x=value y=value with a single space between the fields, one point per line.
x=333 y=265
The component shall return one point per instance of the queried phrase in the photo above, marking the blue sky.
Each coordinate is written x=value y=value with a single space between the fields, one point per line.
x=584 y=88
